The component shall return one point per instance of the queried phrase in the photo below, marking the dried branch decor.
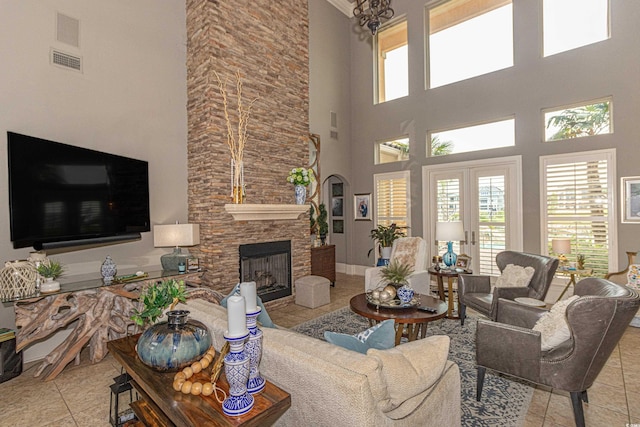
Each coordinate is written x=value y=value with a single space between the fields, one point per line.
x=236 y=140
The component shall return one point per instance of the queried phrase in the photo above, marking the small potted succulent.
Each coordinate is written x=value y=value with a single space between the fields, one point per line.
x=395 y=282
x=50 y=270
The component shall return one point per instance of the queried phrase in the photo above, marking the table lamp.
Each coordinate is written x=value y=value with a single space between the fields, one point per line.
x=448 y=232
x=561 y=247
x=175 y=235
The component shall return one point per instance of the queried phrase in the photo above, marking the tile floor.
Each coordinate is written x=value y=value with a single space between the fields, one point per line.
x=79 y=396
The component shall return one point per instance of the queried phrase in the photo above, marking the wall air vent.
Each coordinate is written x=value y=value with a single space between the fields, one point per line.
x=66 y=60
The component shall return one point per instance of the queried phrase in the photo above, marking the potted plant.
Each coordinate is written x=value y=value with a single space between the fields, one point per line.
x=50 y=270
x=323 y=225
x=397 y=275
x=156 y=298
x=385 y=236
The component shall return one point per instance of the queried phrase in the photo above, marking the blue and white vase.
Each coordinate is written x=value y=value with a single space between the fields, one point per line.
x=108 y=269
x=301 y=194
x=405 y=293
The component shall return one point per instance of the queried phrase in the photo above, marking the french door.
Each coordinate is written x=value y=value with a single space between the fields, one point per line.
x=486 y=196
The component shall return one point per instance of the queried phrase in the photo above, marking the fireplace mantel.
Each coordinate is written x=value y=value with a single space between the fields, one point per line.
x=264 y=212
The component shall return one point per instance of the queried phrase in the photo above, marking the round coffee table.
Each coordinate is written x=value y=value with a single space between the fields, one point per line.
x=415 y=321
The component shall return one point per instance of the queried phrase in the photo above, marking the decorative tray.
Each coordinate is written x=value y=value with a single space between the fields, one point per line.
x=394 y=303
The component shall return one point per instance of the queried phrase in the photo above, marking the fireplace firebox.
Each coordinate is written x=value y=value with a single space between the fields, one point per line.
x=269 y=265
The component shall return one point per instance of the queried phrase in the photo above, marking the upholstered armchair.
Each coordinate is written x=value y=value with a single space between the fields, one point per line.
x=630 y=276
x=406 y=250
x=595 y=322
x=475 y=290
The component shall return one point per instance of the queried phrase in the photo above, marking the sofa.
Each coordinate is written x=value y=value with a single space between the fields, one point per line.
x=412 y=384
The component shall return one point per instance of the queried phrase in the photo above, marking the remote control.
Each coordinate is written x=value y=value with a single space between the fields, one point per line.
x=428 y=309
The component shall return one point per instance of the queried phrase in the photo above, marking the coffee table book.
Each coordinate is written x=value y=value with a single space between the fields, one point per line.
x=160 y=405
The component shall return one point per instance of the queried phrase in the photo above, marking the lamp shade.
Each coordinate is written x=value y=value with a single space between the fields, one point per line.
x=449 y=231
x=176 y=235
x=561 y=246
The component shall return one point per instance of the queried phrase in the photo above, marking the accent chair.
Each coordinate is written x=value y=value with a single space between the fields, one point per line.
x=475 y=290
x=596 y=321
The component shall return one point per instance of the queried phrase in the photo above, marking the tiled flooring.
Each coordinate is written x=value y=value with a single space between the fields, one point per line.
x=79 y=396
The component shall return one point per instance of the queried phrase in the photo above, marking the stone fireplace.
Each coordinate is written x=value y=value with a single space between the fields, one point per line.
x=269 y=265
x=258 y=39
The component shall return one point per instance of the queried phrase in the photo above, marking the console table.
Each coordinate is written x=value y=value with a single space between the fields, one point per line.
x=323 y=262
x=98 y=312
x=160 y=405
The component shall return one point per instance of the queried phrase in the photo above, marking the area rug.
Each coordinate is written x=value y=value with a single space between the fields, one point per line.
x=505 y=401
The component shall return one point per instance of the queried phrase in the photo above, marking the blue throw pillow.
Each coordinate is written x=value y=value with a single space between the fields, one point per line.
x=263 y=317
x=381 y=336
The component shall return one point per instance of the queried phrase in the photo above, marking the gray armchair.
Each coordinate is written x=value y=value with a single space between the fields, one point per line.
x=475 y=290
x=596 y=321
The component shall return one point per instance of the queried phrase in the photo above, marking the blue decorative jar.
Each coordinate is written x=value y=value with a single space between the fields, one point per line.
x=173 y=344
x=405 y=293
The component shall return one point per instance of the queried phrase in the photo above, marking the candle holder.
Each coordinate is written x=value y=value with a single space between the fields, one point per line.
x=236 y=368
x=253 y=348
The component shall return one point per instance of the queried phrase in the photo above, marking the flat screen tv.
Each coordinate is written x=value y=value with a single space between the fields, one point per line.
x=62 y=195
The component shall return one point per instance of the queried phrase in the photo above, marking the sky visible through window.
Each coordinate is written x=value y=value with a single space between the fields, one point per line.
x=396 y=73
x=569 y=24
x=479 y=137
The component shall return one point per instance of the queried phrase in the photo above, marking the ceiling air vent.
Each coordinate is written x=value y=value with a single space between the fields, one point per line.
x=65 y=60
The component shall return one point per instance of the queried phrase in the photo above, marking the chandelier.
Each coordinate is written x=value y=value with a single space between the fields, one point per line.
x=371 y=16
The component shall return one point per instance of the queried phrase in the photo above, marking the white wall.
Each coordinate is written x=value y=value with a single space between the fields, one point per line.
x=130 y=100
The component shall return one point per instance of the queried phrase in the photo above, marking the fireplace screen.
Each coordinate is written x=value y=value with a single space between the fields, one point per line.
x=269 y=265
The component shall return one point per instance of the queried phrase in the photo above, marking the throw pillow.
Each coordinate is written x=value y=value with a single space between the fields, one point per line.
x=406 y=250
x=381 y=336
x=553 y=326
x=263 y=317
x=515 y=275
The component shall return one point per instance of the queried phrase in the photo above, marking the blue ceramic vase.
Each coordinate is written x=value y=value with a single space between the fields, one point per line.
x=405 y=293
x=301 y=194
x=173 y=344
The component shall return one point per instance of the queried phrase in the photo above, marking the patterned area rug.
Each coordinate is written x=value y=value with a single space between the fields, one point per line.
x=504 y=401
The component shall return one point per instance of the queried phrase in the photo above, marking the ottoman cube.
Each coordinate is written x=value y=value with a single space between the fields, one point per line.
x=312 y=291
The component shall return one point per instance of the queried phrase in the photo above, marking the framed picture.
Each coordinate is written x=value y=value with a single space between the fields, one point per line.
x=463 y=262
x=362 y=207
x=336 y=206
x=338 y=226
x=630 y=199
x=337 y=189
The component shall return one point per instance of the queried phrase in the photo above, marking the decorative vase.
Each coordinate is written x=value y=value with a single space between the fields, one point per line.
x=173 y=344
x=405 y=293
x=236 y=369
x=385 y=255
x=108 y=269
x=50 y=285
x=449 y=258
x=237 y=182
x=301 y=194
x=253 y=348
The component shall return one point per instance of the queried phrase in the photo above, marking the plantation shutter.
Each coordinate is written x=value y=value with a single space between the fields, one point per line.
x=578 y=202
x=392 y=199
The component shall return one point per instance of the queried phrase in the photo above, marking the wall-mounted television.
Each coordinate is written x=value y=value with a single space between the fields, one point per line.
x=62 y=195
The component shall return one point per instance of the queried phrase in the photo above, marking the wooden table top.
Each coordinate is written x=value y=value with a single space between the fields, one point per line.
x=360 y=306
x=188 y=410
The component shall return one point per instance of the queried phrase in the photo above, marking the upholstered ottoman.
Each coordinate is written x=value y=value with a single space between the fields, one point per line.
x=312 y=291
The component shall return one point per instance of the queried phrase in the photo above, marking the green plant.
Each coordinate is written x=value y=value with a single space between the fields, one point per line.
x=581 y=259
x=323 y=225
x=385 y=235
x=396 y=273
x=312 y=220
x=156 y=298
x=50 y=269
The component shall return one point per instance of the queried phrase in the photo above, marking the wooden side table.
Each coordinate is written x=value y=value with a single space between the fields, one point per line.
x=572 y=278
x=323 y=262
x=160 y=405
x=452 y=312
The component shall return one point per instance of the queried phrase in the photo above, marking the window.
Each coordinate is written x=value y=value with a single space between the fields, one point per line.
x=578 y=121
x=392 y=151
x=468 y=38
x=392 y=198
x=568 y=24
x=473 y=138
x=578 y=192
x=392 y=62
